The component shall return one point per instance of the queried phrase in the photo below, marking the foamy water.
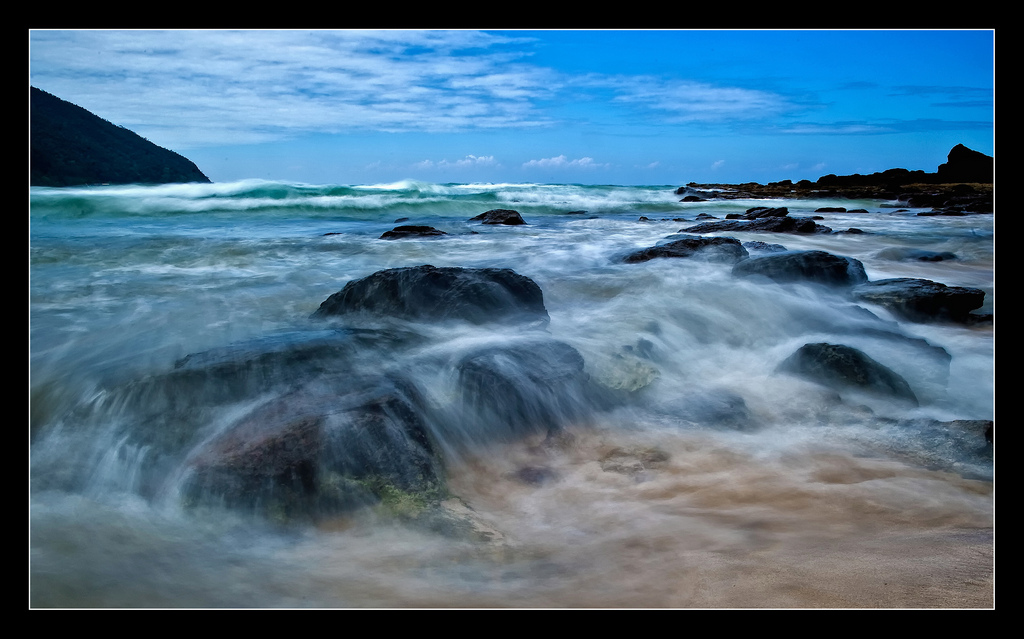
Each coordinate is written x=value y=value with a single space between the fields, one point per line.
x=721 y=483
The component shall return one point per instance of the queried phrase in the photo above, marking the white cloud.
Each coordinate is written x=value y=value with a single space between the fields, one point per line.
x=561 y=161
x=717 y=164
x=465 y=162
x=196 y=88
x=679 y=100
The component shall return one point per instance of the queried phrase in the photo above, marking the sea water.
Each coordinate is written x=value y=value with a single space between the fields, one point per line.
x=723 y=483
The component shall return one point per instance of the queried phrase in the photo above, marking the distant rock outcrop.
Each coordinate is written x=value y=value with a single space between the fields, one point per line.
x=70 y=146
x=966 y=165
x=963 y=185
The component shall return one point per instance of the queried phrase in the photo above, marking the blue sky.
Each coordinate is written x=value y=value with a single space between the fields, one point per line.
x=581 y=106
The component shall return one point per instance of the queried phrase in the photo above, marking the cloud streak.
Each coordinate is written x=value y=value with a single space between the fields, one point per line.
x=203 y=88
x=562 y=162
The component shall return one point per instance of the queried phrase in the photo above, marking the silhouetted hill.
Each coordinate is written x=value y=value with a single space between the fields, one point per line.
x=71 y=146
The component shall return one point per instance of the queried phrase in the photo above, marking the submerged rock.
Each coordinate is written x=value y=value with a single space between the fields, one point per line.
x=447 y=293
x=499 y=216
x=804 y=266
x=329 y=446
x=715 y=249
x=761 y=220
x=764 y=247
x=843 y=367
x=922 y=300
x=525 y=387
x=400 y=232
x=902 y=253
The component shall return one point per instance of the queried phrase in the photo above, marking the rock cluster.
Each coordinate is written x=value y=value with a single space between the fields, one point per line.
x=961 y=186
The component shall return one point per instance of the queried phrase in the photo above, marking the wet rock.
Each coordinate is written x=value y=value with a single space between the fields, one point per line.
x=764 y=247
x=804 y=266
x=967 y=165
x=499 y=216
x=963 y=446
x=534 y=385
x=843 y=367
x=758 y=212
x=400 y=232
x=714 y=249
x=534 y=475
x=634 y=461
x=766 y=224
x=910 y=254
x=922 y=300
x=447 y=293
x=718 y=408
x=332 y=445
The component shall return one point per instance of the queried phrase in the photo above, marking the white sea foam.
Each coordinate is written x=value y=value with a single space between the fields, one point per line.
x=784 y=488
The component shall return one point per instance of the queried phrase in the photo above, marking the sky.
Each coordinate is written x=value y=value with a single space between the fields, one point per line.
x=629 y=107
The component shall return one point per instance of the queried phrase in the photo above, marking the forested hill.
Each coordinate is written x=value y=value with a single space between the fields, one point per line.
x=70 y=146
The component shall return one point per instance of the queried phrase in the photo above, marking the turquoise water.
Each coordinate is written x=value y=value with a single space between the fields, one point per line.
x=127 y=280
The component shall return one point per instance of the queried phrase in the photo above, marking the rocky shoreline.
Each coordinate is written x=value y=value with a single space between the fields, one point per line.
x=961 y=186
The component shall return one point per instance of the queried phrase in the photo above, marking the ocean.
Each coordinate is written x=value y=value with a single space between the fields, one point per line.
x=708 y=479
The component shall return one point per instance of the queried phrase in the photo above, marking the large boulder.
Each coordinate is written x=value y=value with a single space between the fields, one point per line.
x=715 y=249
x=499 y=216
x=332 y=445
x=842 y=367
x=431 y=293
x=819 y=267
x=922 y=300
x=517 y=388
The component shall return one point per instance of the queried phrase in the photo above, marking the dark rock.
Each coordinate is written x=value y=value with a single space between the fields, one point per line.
x=804 y=266
x=449 y=293
x=765 y=211
x=764 y=247
x=401 y=219
x=830 y=209
x=963 y=166
x=330 y=446
x=499 y=216
x=693 y=198
x=922 y=300
x=902 y=253
x=768 y=224
x=842 y=367
x=534 y=475
x=715 y=249
x=235 y=373
x=400 y=232
x=963 y=446
x=966 y=165
x=526 y=387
